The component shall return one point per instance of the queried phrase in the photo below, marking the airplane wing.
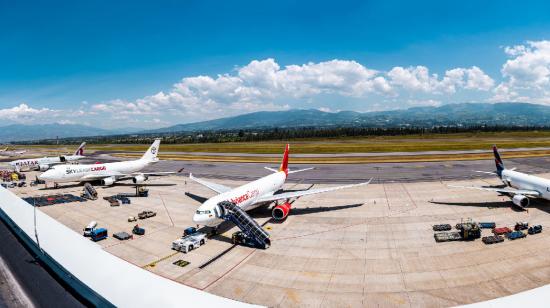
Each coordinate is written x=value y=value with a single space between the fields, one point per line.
x=298 y=194
x=123 y=176
x=290 y=171
x=503 y=190
x=214 y=186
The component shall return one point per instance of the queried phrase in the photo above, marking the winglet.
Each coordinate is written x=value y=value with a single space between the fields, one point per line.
x=284 y=163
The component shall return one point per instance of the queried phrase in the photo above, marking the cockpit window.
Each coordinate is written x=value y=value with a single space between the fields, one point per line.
x=203 y=212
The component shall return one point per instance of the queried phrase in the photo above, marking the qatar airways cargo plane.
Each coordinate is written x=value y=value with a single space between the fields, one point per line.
x=107 y=173
x=519 y=186
x=263 y=191
x=45 y=163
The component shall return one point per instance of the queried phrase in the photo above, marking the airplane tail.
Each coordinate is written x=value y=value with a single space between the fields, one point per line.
x=151 y=154
x=284 y=163
x=80 y=150
x=498 y=161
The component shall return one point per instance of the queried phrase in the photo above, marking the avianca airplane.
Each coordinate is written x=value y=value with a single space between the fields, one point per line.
x=45 y=163
x=519 y=186
x=108 y=173
x=254 y=194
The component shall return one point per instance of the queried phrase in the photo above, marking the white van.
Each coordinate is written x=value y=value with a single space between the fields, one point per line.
x=90 y=228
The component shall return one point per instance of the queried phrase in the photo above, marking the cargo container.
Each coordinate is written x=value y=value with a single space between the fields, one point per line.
x=535 y=229
x=521 y=226
x=502 y=230
x=487 y=225
x=442 y=227
x=493 y=239
x=515 y=235
x=447 y=236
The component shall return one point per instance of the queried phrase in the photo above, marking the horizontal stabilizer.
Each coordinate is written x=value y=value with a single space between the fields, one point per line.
x=300 y=170
x=502 y=190
x=486 y=172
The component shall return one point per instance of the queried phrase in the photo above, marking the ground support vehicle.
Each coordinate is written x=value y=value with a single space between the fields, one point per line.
x=469 y=230
x=492 y=239
x=122 y=236
x=447 y=236
x=138 y=231
x=515 y=235
x=146 y=214
x=522 y=225
x=99 y=234
x=487 y=225
x=442 y=227
x=534 y=229
x=502 y=231
x=190 y=242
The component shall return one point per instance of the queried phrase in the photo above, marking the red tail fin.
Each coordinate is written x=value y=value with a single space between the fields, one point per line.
x=284 y=164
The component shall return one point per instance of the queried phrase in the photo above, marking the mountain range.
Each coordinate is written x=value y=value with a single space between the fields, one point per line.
x=466 y=114
x=20 y=132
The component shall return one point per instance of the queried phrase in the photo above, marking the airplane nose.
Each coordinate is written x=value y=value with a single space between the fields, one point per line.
x=198 y=219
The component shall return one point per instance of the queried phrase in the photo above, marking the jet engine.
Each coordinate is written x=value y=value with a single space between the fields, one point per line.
x=140 y=178
x=281 y=211
x=108 y=181
x=520 y=200
x=43 y=167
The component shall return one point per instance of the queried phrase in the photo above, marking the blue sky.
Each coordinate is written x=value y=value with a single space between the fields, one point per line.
x=127 y=63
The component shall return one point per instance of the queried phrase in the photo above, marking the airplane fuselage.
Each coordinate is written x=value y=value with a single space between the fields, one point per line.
x=81 y=173
x=35 y=163
x=524 y=181
x=245 y=196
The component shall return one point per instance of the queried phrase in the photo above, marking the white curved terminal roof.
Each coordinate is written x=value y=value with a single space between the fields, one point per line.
x=121 y=283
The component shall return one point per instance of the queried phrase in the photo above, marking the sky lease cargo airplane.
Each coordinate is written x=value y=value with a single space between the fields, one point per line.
x=45 y=163
x=107 y=173
x=519 y=186
x=263 y=191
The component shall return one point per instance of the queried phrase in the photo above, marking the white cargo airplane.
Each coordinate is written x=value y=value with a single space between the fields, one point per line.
x=520 y=186
x=107 y=173
x=6 y=152
x=254 y=194
x=45 y=163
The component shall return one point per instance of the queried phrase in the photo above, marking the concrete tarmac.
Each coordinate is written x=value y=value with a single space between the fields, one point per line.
x=366 y=246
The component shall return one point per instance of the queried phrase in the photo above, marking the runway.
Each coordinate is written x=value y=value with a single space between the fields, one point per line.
x=349 y=173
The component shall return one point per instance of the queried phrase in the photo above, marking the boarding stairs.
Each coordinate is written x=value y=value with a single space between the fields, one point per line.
x=232 y=212
x=89 y=192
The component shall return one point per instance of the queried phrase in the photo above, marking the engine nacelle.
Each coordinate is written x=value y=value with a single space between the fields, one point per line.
x=140 y=178
x=281 y=211
x=520 y=200
x=108 y=181
x=43 y=167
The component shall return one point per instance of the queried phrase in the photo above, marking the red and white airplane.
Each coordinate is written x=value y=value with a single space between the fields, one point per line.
x=254 y=194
